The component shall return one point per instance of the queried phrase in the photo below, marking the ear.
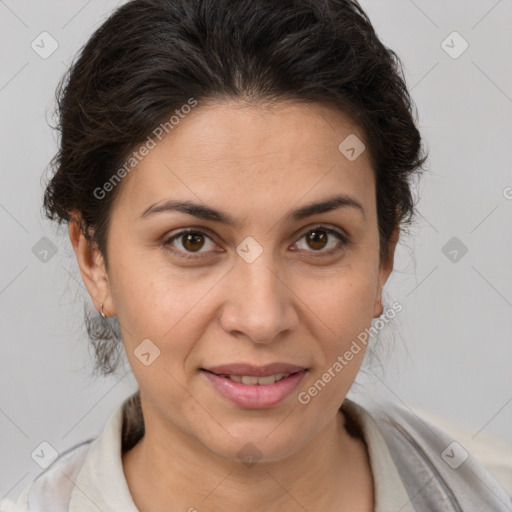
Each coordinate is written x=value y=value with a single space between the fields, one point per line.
x=92 y=267
x=384 y=272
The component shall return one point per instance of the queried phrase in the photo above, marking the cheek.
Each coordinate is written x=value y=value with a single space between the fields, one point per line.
x=345 y=306
x=342 y=313
x=156 y=301
x=153 y=301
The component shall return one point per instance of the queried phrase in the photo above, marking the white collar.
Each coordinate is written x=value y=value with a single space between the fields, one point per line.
x=101 y=483
x=390 y=492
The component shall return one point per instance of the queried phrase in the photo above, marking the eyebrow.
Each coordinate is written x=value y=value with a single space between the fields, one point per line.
x=210 y=214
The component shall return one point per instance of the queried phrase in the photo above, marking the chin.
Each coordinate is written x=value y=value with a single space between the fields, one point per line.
x=250 y=444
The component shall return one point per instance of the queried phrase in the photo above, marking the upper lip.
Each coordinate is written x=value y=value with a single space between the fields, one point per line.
x=252 y=370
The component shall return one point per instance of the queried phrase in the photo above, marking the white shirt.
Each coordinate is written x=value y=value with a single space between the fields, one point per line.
x=90 y=477
x=101 y=484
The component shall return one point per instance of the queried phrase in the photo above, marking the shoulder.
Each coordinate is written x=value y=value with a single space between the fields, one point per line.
x=436 y=468
x=51 y=488
x=7 y=505
x=83 y=464
x=494 y=454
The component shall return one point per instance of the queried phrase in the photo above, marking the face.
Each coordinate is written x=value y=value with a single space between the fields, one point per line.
x=279 y=283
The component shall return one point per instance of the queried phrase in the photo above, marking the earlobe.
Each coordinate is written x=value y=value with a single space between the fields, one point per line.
x=385 y=271
x=92 y=268
x=378 y=308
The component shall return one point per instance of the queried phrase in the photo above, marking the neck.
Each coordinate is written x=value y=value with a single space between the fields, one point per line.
x=333 y=467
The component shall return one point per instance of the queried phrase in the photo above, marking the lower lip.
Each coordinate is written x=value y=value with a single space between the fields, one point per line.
x=255 y=396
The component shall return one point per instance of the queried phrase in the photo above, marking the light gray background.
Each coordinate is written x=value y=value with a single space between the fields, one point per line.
x=453 y=350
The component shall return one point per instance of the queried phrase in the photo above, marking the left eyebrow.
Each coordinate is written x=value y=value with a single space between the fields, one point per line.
x=210 y=214
x=333 y=203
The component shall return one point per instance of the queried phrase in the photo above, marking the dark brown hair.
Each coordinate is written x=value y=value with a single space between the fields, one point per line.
x=150 y=57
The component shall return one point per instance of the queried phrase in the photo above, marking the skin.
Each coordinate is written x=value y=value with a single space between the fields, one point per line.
x=293 y=304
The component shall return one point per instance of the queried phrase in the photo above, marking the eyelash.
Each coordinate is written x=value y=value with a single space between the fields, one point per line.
x=338 y=234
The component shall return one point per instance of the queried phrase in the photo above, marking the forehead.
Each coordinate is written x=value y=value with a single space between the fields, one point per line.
x=233 y=155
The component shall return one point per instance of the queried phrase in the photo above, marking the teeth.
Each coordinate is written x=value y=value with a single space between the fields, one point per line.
x=262 y=381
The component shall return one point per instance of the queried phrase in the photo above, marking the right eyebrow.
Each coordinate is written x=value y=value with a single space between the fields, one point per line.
x=210 y=214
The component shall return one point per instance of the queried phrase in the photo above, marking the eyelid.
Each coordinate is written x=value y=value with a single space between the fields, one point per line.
x=166 y=241
x=327 y=227
x=341 y=234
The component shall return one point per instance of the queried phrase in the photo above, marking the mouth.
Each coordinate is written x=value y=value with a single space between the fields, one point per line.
x=252 y=380
x=249 y=389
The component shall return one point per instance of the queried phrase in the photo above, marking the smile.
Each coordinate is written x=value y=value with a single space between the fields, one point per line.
x=254 y=392
x=261 y=381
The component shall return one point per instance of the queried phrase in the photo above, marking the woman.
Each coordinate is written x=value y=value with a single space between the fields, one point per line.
x=235 y=176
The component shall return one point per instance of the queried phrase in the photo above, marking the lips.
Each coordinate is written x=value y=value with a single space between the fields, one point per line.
x=260 y=381
x=255 y=387
x=249 y=370
x=258 y=395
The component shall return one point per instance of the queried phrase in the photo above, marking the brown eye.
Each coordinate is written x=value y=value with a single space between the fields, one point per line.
x=191 y=241
x=317 y=239
x=323 y=240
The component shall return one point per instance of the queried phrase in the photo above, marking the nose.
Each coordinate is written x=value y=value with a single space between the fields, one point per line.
x=259 y=303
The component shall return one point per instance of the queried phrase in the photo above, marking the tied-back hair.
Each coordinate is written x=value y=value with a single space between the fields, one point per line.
x=151 y=56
